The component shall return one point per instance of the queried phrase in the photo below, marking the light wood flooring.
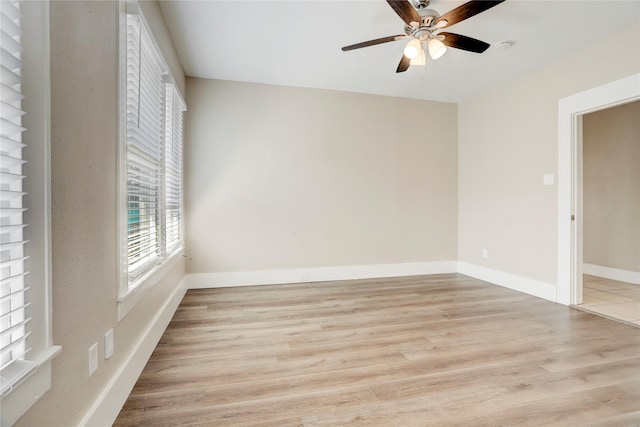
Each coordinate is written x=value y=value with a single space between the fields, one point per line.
x=444 y=350
x=611 y=298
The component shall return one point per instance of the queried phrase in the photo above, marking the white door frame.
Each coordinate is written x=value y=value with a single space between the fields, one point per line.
x=570 y=112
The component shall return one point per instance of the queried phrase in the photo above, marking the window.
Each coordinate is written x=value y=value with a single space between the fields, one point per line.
x=152 y=149
x=13 y=288
x=145 y=92
x=25 y=330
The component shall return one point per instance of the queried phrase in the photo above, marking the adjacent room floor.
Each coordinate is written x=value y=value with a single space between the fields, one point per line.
x=610 y=298
x=444 y=350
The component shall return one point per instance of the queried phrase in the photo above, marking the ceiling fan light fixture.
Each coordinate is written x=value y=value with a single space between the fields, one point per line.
x=412 y=49
x=419 y=60
x=436 y=48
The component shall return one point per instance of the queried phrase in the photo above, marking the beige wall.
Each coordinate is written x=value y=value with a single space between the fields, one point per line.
x=611 y=177
x=84 y=75
x=283 y=177
x=508 y=138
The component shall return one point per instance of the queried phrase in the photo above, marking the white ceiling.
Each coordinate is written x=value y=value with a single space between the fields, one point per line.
x=297 y=43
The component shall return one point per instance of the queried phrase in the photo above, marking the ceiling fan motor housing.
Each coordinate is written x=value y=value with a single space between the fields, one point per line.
x=423 y=31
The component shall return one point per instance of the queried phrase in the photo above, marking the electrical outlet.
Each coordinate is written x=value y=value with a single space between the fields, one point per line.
x=93 y=358
x=108 y=344
x=485 y=253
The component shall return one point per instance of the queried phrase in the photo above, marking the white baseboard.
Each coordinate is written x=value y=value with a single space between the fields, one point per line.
x=611 y=273
x=272 y=277
x=107 y=406
x=518 y=283
x=316 y=274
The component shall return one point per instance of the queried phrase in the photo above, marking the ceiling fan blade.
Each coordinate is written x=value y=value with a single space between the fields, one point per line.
x=403 y=65
x=374 y=42
x=405 y=11
x=465 y=11
x=465 y=43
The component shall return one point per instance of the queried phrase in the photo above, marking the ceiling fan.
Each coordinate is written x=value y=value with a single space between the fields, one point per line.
x=424 y=31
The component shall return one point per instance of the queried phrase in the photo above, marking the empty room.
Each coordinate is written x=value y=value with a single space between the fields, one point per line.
x=319 y=213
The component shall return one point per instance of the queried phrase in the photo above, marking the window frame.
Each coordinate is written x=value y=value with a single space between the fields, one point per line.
x=130 y=293
x=36 y=87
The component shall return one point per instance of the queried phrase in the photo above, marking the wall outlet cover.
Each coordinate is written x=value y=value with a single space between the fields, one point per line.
x=108 y=344
x=93 y=358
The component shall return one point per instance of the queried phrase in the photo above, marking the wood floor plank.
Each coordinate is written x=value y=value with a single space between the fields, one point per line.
x=195 y=408
x=159 y=375
x=411 y=351
x=571 y=408
x=629 y=419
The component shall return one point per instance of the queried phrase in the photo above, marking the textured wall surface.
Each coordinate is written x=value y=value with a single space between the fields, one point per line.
x=283 y=177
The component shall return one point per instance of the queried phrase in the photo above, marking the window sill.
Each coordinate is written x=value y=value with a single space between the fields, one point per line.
x=28 y=390
x=129 y=300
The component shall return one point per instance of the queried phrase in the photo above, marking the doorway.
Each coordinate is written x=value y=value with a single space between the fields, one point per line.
x=570 y=196
x=611 y=212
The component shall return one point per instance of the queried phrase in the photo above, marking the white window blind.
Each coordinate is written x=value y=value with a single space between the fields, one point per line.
x=174 y=108
x=144 y=111
x=153 y=139
x=14 y=294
